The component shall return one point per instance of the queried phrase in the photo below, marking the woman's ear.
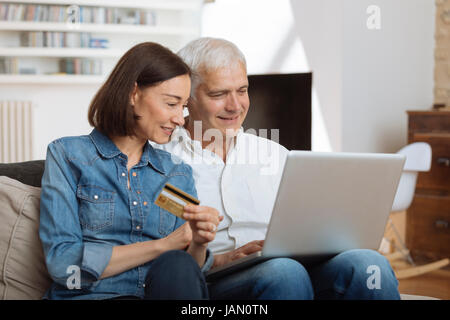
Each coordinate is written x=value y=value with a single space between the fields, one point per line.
x=134 y=95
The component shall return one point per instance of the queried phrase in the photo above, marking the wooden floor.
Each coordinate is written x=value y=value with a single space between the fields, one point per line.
x=433 y=284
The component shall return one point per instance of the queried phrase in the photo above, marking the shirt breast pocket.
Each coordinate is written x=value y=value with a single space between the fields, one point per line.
x=96 y=207
x=167 y=222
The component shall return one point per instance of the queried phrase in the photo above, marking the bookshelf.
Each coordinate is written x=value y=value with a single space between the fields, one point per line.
x=53 y=79
x=99 y=28
x=61 y=52
x=55 y=35
x=137 y=4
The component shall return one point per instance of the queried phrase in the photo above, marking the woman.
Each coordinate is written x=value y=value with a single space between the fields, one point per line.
x=103 y=236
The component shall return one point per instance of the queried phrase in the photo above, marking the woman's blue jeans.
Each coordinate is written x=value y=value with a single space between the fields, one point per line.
x=354 y=274
x=175 y=275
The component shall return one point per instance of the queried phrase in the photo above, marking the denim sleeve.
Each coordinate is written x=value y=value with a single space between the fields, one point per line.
x=60 y=231
x=209 y=260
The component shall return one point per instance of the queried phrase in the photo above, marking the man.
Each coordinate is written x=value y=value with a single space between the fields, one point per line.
x=238 y=174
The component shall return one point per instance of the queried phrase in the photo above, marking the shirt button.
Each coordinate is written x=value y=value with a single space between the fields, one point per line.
x=145 y=203
x=134 y=174
x=96 y=197
x=143 y=286
x=138 y=227
x=134 y=203
x=123 y=174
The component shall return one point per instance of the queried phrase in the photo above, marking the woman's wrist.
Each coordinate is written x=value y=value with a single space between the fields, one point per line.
x=196 y=249
x=198 y=252
x=198 y=246
x=160 y=246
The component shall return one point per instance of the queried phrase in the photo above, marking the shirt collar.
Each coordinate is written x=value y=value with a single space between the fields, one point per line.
x=182 y=136
x=109 y=150
x=104 y=145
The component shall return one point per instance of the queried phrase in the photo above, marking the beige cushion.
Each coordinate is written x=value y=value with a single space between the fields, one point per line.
x=23 y=274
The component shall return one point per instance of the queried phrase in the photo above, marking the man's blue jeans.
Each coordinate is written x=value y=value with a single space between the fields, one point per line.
x=354 y=274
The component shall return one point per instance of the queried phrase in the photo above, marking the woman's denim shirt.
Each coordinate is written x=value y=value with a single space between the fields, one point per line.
x=87 y=208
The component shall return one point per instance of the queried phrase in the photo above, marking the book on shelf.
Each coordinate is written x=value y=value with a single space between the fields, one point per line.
x=98 y=43
x=44 y=39
x=75 y=14
x=80 y=66
x=11 y=65
x=53 y=39
x=73 y=66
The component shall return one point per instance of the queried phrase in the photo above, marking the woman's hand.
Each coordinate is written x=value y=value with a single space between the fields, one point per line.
x=126 y=257
x=238 y=253
x=180 y=238
x=203 y=222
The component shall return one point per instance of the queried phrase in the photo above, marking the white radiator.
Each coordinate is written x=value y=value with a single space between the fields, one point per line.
x=16 y=143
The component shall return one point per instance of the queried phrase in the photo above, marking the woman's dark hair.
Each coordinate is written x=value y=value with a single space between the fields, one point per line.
x=146 y=64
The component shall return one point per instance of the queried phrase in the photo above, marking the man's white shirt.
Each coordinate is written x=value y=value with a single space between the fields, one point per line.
x=243 y=189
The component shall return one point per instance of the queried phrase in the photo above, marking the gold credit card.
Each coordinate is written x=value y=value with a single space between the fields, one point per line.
x=173 y=200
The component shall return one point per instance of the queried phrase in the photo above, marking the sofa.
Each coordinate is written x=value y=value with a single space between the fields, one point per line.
x=23 y=274
x=22 y=267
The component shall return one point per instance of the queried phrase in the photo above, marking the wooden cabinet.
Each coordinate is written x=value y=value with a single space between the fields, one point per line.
x=428 y=218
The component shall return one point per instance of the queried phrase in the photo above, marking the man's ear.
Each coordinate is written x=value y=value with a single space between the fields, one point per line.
x=134 y=95
x=191 y=102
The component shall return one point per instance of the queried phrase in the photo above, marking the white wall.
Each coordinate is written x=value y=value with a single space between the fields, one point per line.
x=59 y=110
x=318 y=26
x=385 y=72
x=267 y=33
x=364 y=80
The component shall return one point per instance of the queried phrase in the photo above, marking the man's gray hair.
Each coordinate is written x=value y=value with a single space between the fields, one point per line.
x=205 y=54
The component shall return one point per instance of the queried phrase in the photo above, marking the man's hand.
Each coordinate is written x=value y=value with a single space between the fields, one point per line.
x=203 y=222
x=241 y=252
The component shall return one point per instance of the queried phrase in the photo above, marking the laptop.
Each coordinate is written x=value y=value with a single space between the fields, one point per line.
x=327 y=203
